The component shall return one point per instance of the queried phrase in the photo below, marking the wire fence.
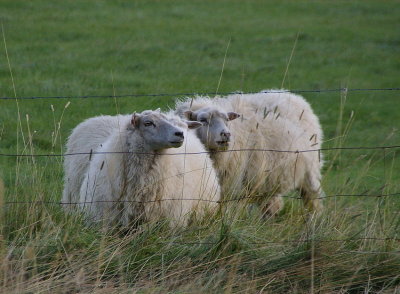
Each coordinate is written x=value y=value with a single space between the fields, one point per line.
x=207 y=93
x=205 y=152
x=264 y=243
x=91 y=153
x=236 y=199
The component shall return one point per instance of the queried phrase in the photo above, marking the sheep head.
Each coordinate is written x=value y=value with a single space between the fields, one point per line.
x=214 y=133
x=159 y=131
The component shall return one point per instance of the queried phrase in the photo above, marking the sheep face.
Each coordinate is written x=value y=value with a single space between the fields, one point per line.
x=159 y=131
x=214 y=133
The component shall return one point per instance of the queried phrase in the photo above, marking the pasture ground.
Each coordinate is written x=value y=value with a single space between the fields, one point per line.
x=75 y=48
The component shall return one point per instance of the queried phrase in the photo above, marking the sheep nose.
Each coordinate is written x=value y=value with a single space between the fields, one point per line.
x=179 y=134
x=225 y=135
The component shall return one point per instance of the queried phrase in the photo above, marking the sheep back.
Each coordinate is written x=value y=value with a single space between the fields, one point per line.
x=84 y=139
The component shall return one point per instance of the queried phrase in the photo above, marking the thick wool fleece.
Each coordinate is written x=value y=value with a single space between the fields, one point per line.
x=135 y=185
x=274 y=122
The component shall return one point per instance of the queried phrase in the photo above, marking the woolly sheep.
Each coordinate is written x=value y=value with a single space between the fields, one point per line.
x=85 y=138
x=268 y=121
x=134 y=176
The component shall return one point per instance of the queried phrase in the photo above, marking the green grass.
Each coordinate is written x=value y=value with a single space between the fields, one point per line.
x=73 y=48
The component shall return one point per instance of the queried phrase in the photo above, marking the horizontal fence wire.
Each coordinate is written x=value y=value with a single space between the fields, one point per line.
x=300 y=241
x=203 y=93
x=309 y=240
x=204 y=152
x=283 y=242
x=43 y=202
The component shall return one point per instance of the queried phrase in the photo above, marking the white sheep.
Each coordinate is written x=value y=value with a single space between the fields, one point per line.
x=268 y=121
x=135 y=176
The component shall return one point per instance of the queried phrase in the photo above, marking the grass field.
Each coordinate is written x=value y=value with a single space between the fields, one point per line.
x=78 y=48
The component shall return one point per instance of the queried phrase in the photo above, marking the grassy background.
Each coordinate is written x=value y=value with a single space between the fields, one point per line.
x=73 y=48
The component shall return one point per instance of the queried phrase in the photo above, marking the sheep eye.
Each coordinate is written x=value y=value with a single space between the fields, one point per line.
x=149 y=123
x=203 y=120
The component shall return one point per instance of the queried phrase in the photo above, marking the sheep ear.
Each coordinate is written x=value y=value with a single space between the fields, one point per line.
x=190 y=115
x=193 y=124
x=135 y=120
x=233 y=115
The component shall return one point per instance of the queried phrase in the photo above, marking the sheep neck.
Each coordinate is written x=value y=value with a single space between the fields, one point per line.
x=140 y=170
x=139 y=159
x=217 y=159
x=139 y=177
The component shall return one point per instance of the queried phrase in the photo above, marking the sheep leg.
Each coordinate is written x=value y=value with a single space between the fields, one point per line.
x=312 y=193
x=272 y=206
